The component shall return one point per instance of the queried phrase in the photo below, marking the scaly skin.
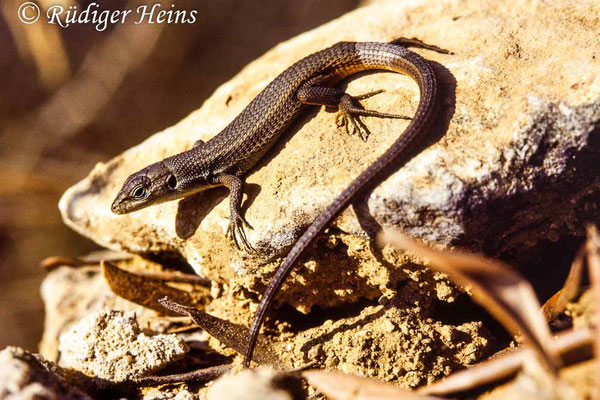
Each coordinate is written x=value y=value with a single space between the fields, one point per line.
x=225 y=159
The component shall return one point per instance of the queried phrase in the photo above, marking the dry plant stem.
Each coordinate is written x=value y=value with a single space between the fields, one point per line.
x=54 y=262
x=228 y=333
x=481 y=374
x=183 y=329
x=101 y=73
x=198 y=376
x=91 y=259
x=501 y=290
x=51 y=263
x=557 y=303
x=41 y=44
x=178 y=277
x=575 y=345
x=340 y=386
x=572 y=345
x=593 y=248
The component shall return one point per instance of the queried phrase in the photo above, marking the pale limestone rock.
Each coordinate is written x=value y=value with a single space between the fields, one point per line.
x=258 y=384
x=25 y=376
x=110 y=345
x=70 y=294
x=512 y=159
x=391 y=335
x=158 y=394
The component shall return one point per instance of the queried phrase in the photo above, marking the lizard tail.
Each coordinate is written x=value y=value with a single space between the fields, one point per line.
x=370 y=56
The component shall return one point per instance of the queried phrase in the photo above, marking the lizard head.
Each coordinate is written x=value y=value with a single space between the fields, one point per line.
x=151 y=185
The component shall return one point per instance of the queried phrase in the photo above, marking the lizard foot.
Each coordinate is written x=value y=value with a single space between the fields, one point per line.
x=237 y=234
x=348 y=114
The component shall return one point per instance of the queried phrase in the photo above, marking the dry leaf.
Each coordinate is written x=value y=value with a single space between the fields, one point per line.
x=143 y=289
x=231 y=335
x=93 y=258
x=573 y=346
x=557 y=303
x=593 y=249
x=496 y=286
x=198 y=376
x=340 y=386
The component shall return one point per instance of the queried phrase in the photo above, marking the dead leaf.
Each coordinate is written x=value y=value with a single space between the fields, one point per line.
x=231 y=335
x=198 y=376
x=557 y=303
x=143 y=289
x=496 y=286
x=593 y=249
x=340 y=386
x=574 y=346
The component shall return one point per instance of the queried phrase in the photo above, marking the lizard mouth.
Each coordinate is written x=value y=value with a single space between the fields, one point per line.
x=123 y=205
x=120 y=207
x=117 y=207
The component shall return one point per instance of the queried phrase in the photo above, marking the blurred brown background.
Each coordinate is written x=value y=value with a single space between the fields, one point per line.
x=73 y=97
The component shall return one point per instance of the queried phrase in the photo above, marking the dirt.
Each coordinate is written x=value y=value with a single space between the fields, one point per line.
x=396 y=337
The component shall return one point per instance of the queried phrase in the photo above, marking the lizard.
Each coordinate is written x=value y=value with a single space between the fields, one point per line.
x=228 y=156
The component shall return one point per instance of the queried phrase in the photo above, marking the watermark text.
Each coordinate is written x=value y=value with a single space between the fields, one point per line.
x=29 y=13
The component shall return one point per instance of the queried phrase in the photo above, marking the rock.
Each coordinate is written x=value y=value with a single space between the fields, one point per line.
x=70 y=294
x=411 y=351
x=110 y=345
x=513 y=155
x=258 y=384
x=382 y=341
x=159 y=394
x=24 y=375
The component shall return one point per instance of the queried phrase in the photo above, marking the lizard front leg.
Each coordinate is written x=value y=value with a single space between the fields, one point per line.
x=348 y=107
x=235 y=230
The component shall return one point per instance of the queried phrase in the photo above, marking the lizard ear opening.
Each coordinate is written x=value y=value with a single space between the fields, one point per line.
x=172 y=181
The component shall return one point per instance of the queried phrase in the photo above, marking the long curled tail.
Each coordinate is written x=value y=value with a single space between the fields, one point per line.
x=371 y=56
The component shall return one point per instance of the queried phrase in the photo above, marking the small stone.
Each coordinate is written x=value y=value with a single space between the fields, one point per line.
x=258 y=384
x=387 y=326
x=157 y=394
x=26 y=376
x=215 y=289
x=253 y=307
x=110 y=345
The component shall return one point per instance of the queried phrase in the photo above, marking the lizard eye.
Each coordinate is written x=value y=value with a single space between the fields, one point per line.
x=139 y=192
x=172 y=182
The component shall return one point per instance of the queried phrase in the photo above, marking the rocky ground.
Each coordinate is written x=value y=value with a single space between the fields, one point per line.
x=512 y=163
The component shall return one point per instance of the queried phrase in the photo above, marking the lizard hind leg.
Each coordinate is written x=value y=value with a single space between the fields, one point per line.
x=349 y=109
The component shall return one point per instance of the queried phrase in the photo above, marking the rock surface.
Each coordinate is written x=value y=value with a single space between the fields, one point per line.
x=258 y=384
x=25 y=376
x=389 y=341
x=512 y=157
x=71 y=294
x=110 y=345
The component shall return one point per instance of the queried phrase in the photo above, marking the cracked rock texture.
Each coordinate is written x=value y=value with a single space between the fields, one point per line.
x=110 y=345
x=401 y=338
x=512 y=159
x=71 y=294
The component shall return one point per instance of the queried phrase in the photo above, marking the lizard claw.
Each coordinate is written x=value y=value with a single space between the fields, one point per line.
x=237 y=234
x=348 y=115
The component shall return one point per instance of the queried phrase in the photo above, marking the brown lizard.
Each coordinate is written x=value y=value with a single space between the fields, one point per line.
x=227 y=157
